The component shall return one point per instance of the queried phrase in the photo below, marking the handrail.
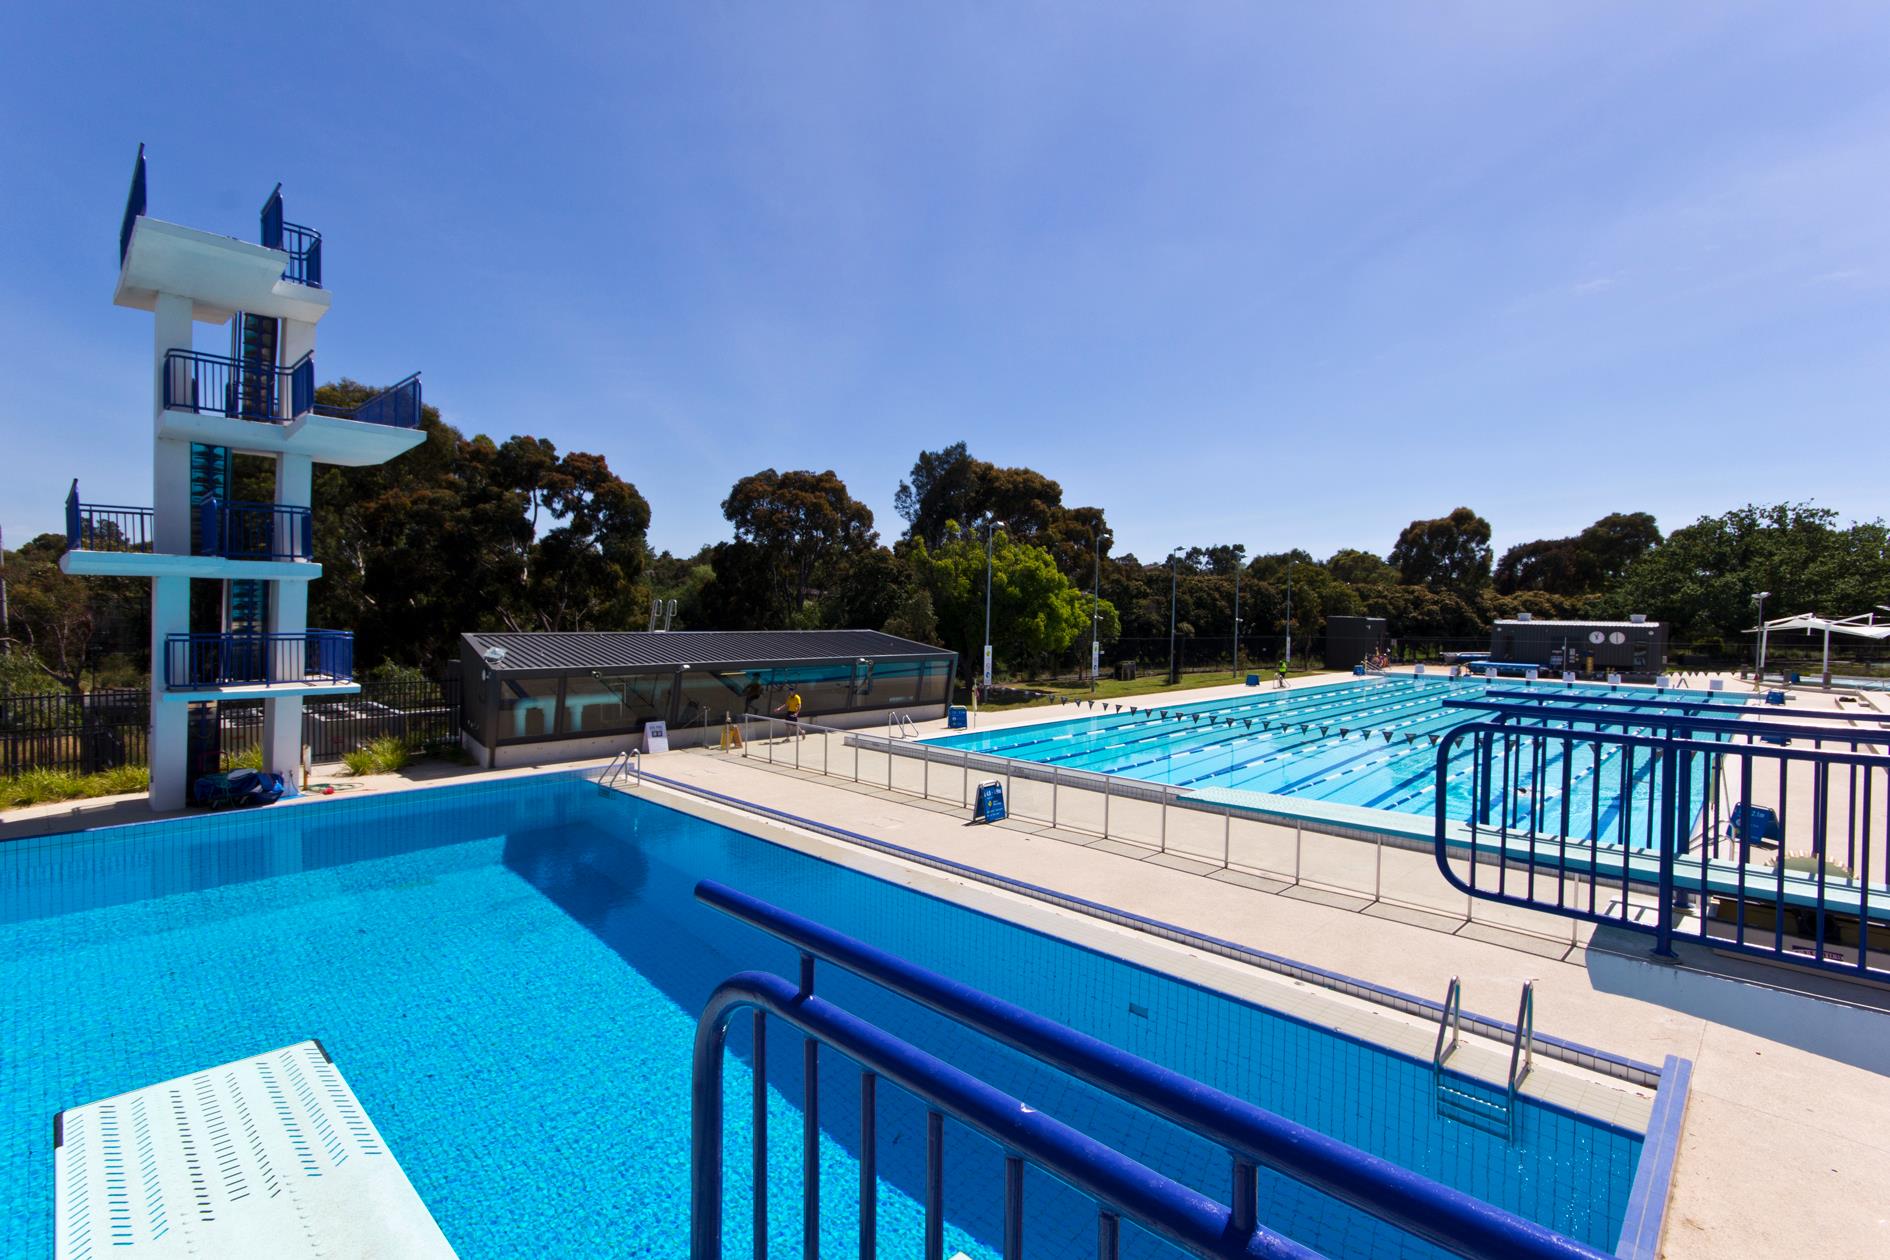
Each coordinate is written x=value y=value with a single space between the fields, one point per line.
x=398 y=406
x=221 y=385
x=1744 y=715
x=303 y=245
x=255 y=531
x=1450 y=1023
x=1121 y=1186
x=1396 y=1195
x=620 y=765
x=115 y=527
x=1754 y=721
x=1523 y=1052
x=292 y=656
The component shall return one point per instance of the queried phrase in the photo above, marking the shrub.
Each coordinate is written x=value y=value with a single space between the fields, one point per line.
x=248 y=759
x=36 y=787
x=382 y=756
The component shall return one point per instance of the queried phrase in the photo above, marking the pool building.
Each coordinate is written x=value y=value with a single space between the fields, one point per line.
x=535 y=697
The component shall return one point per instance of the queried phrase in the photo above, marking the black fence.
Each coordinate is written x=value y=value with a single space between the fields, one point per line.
x=106 y=729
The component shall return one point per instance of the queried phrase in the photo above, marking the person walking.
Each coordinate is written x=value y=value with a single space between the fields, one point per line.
x=1282 y=669
x=792 y=708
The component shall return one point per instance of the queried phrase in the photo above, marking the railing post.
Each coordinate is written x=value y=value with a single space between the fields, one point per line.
x=1663 y=923
x=1107 y=780
x=1053 y=797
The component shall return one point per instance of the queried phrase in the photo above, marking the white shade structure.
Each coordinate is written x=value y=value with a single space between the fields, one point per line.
x=1862 y=626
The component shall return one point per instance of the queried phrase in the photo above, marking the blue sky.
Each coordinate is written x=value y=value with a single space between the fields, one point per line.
x=1278 y=275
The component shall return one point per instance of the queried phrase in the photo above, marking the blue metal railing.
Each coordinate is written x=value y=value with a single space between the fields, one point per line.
x=1751 y=834
x=134 y=207
x=218 y=385
x=397 y=406
x=218 y=660
x=1252 y=1137
x=106 y=526
x=255 y=531
x=303 y=245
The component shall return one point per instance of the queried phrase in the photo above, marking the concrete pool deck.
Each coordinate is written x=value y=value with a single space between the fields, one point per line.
x=1781 y=1145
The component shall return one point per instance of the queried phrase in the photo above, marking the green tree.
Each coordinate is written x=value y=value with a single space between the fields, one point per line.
x=1702 y=578
x=66 y=631
x=805 y=523
x=1450 y=553
x=1036 y=613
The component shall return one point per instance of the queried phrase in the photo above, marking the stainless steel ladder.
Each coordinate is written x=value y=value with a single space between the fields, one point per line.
x=1470 y=1102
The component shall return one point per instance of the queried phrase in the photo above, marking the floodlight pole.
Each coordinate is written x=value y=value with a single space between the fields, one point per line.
x=1173 y=587
x=1095 y=615
x=990 y=526
x=1288 y=658
x=1236 y=617
x=1758 y=680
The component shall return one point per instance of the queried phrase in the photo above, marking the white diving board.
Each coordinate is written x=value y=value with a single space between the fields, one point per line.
x=271 y=1155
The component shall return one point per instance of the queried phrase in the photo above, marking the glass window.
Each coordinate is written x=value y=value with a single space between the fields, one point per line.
x=528 y=708
x=598 y=703
x=714 y=694
x=936 y=686
x=822 y=688
x=891 y=684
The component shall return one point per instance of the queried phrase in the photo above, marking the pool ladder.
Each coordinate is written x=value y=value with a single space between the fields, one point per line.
x=901 y=726
x=1471 y=1105
x=628 y=762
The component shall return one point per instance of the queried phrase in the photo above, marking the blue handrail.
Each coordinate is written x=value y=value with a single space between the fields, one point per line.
x=1120 y=1186
x=1514 y=702
x=1750 y=722
x=217 y=660
x=255 y=531
x=398 y=406
x=1253 y=1137
x=106 y=526
x=303 y=245
x=219 y=385
x=1630 y=821
x=134 y=207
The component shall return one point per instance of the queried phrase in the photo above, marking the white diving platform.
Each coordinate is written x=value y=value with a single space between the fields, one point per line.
x=271 y=1155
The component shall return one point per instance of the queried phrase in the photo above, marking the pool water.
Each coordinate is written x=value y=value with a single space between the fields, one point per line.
x=1369 y=742
x=509 y=976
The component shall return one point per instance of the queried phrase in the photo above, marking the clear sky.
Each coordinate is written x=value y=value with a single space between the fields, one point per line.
x=1261 y=273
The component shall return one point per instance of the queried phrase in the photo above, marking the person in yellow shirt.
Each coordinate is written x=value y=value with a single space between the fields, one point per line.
x=792 y=708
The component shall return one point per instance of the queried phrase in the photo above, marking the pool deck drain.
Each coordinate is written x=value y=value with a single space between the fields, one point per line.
x=270 y=1155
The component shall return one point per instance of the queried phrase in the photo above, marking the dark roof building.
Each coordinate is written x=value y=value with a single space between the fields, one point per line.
x=591 y=692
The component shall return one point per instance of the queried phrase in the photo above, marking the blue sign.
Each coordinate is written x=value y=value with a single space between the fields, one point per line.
x=1755 y=822
x=990 y=804
x=956 y=718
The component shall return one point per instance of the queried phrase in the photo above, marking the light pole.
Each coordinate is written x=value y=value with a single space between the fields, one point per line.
x=990 y=527
x=1758 y=678
x=1174 y=583
x=1236 y=617
x=1095 y=615
x=1288 y=658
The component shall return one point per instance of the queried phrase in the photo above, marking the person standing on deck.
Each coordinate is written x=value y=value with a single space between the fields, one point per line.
x=792 y=708
x=1282 y=669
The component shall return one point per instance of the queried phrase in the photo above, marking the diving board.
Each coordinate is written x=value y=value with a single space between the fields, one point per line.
x=271 y=1155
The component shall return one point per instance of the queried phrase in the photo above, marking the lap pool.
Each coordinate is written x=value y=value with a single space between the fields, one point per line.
x=1368 y=742
x=509 y=976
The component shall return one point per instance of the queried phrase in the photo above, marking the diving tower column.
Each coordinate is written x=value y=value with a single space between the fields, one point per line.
x=288 y=614
x=169 y=753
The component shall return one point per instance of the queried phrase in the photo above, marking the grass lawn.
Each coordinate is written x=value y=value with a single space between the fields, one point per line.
x=1148 y=685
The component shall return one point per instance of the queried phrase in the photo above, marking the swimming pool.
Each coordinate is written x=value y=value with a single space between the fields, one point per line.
x=509 y=975
x=1368 y=742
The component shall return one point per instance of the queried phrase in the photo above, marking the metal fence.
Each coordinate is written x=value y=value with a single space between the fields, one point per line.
x=1762 y=834
x=105 y=729
x=99 y=730
x=1273 y=851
